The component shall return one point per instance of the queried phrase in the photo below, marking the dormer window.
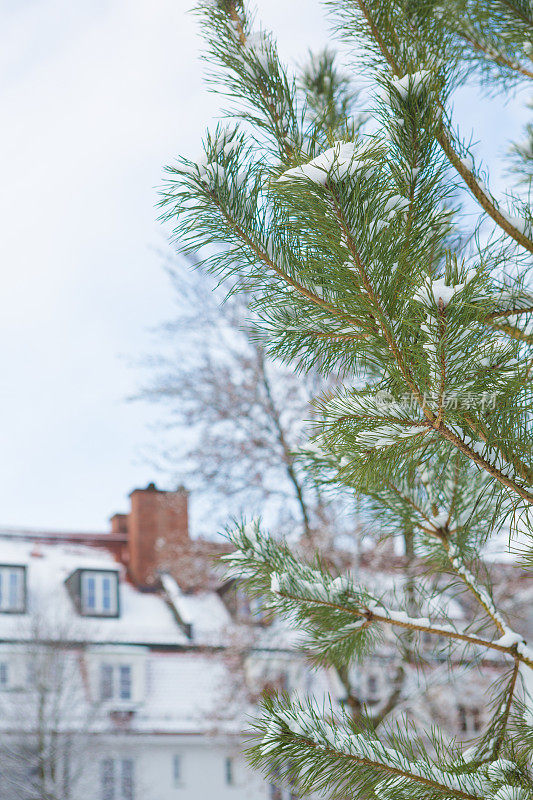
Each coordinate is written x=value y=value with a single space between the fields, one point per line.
x=115 y=682
x=12 y=589
x=99 y=593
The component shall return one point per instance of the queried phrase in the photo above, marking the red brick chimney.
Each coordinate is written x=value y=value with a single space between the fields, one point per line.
x=119 y=523
x=158 y=529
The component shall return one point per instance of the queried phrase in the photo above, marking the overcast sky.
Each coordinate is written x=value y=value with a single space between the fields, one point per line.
x=97 y=95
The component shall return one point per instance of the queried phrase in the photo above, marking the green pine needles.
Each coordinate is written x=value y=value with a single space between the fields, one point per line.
x=354 y=237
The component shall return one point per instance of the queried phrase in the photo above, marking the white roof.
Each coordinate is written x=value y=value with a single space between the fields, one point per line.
x=144 y=618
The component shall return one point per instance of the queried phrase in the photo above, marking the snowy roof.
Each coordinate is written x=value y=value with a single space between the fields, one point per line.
x=145 y=618
x=203 y=611
x=35 y=534
x=190 y=693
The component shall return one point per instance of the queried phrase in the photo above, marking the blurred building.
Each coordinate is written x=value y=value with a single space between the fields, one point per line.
x=129 y=665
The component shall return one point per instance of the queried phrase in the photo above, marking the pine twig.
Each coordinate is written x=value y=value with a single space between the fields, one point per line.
x=482 y=198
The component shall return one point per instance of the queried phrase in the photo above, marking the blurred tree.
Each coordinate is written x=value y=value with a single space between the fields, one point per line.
x=240 y=417
x=47 y=710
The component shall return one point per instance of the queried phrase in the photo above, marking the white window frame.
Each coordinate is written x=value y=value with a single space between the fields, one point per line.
x=12 y=588
x=117 y=671
x=97 y=586
x=113 y=784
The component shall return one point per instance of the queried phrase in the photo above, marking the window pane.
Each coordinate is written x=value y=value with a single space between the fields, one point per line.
x=106 y=681
x=127 y=779
x=90 y=592
x=125 y=682
x=4 y=674
x=229 y=771
x=14 y=578
x=177 y=769
x=108 y=779
x=11 y=589
x=274 y=792
x=106 y=593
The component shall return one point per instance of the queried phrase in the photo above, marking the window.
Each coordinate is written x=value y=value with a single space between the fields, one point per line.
x=106 y=593
x=106 y=681
x=13 y=589
x=177 y=771
x=31 y=673
x=127 y=779
x=4 y=675
x=115 y=682
x=99 y=593
x=228 y=769
x=469 y=719
x=258 y=611
x=242 y=603
x=124 y=684
x=108 y=779
x=276 y=792
x=90 y=593
x=476 y=719
x=117 y=779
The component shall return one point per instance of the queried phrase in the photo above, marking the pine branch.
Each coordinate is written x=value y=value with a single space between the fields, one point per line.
x=342 y=759
x=527 y=19
x=510 y=312
x=480 y=195
x=418 y=325
x=446 y=144
x=379 y=315
x=435 y=420
x=431 y=422
x=504 y=719
x=497 y=58
x=295 y=588
x=264 y=257
x=287 y=455
x=513 y=332
x=443 y=534
x=522 y=469
x=270 y=102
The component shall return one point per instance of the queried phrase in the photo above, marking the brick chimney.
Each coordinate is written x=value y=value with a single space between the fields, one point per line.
x=119 y=523
x=158 y=529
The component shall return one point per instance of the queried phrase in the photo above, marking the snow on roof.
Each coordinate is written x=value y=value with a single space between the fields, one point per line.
x=204 y=611
x=144 y=617
x=33 y=533
x=190 y=693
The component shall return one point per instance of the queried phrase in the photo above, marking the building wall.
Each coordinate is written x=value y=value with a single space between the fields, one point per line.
x=203 y=766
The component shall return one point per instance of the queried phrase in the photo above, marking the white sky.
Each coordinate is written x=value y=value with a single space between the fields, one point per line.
x=97 y=96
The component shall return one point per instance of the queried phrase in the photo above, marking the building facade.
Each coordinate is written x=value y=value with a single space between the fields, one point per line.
x=129 y=665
